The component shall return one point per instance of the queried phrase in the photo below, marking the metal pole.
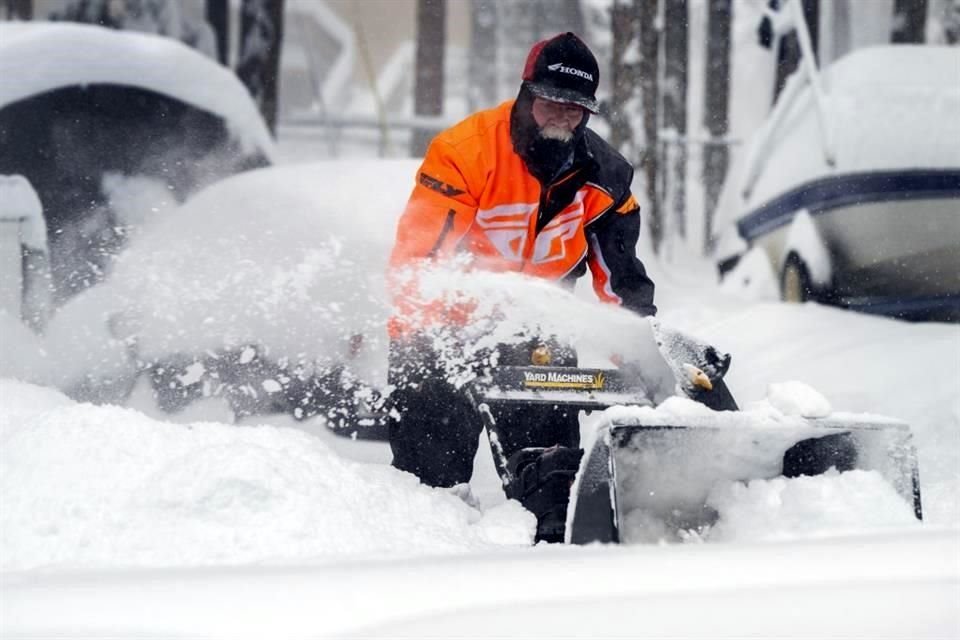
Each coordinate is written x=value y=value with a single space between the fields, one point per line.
x=809 y=65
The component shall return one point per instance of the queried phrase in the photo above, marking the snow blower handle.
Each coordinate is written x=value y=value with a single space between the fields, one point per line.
x=499 y=457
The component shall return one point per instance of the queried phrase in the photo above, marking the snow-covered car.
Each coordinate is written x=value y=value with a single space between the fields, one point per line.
x=110 y=128
x=853 y=195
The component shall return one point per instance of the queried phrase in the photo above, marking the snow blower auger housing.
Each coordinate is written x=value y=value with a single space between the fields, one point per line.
x=648 y=478
x=648 y=473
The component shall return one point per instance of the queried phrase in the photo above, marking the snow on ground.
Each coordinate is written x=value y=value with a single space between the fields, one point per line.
x=890 y=586
x=109 y=489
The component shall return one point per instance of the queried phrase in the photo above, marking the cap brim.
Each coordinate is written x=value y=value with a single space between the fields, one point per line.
x=566 y=96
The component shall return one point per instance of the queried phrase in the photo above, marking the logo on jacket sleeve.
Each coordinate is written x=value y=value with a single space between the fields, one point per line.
x=439 y=186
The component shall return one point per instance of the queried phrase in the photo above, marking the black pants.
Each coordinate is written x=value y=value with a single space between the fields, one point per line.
x=436 y=429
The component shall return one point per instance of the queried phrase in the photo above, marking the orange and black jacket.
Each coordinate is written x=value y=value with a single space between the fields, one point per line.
x=475 y=194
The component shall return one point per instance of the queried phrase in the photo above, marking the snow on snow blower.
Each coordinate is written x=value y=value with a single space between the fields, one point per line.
x=650 y=470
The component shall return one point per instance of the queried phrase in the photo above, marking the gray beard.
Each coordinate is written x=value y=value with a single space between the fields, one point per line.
x=550 y=132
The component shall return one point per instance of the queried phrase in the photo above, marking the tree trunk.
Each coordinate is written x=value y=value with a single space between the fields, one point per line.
x=623 y=77
x=951 y=22
x=482 y=90
x=258 y=66
x=20 y=9
x=909 y=21
x=428 y=83
x=649 y=86
x=674 y=90
x=715 y=115
x=218 y=15
x=788 y=55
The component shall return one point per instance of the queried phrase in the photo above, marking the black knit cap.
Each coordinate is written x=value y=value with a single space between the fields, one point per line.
x=563 y=69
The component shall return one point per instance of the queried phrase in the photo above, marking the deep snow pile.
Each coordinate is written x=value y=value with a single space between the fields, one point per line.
x=87 y=486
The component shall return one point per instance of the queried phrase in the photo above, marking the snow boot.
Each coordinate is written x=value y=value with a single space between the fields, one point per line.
x=541 y=481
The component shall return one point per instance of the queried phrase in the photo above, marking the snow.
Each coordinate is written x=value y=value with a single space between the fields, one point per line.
x=828 y=505
x=64 y=55
x=135 y=199
x=218 y=274
x=75 y=347
x=804 y=240
x=21 y=351
x=19 y=202
x=794 y=398
x=126 y=523
x=129 y=522
x=753 y=278
x=861 y=364
x=783 y=509
x=293 y=273
x=132 y=492
x=894 y=585
x=278 y=258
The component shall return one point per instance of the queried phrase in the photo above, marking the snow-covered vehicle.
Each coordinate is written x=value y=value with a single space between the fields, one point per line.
x=851 y=189
x=110 y=131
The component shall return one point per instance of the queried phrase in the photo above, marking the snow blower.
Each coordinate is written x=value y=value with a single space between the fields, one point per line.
x=669 y=433
x=648 y=473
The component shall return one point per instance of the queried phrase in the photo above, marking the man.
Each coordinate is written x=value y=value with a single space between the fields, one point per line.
x=524 y=187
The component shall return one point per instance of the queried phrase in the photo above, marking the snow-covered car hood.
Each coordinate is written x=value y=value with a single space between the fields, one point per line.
x=65 y=55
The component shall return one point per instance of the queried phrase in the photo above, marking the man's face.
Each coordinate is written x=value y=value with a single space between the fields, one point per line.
x=556 y=120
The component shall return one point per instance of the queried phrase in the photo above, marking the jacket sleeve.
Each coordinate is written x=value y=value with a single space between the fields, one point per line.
x=440 y=209
x=438 y=214
x=618 y=275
